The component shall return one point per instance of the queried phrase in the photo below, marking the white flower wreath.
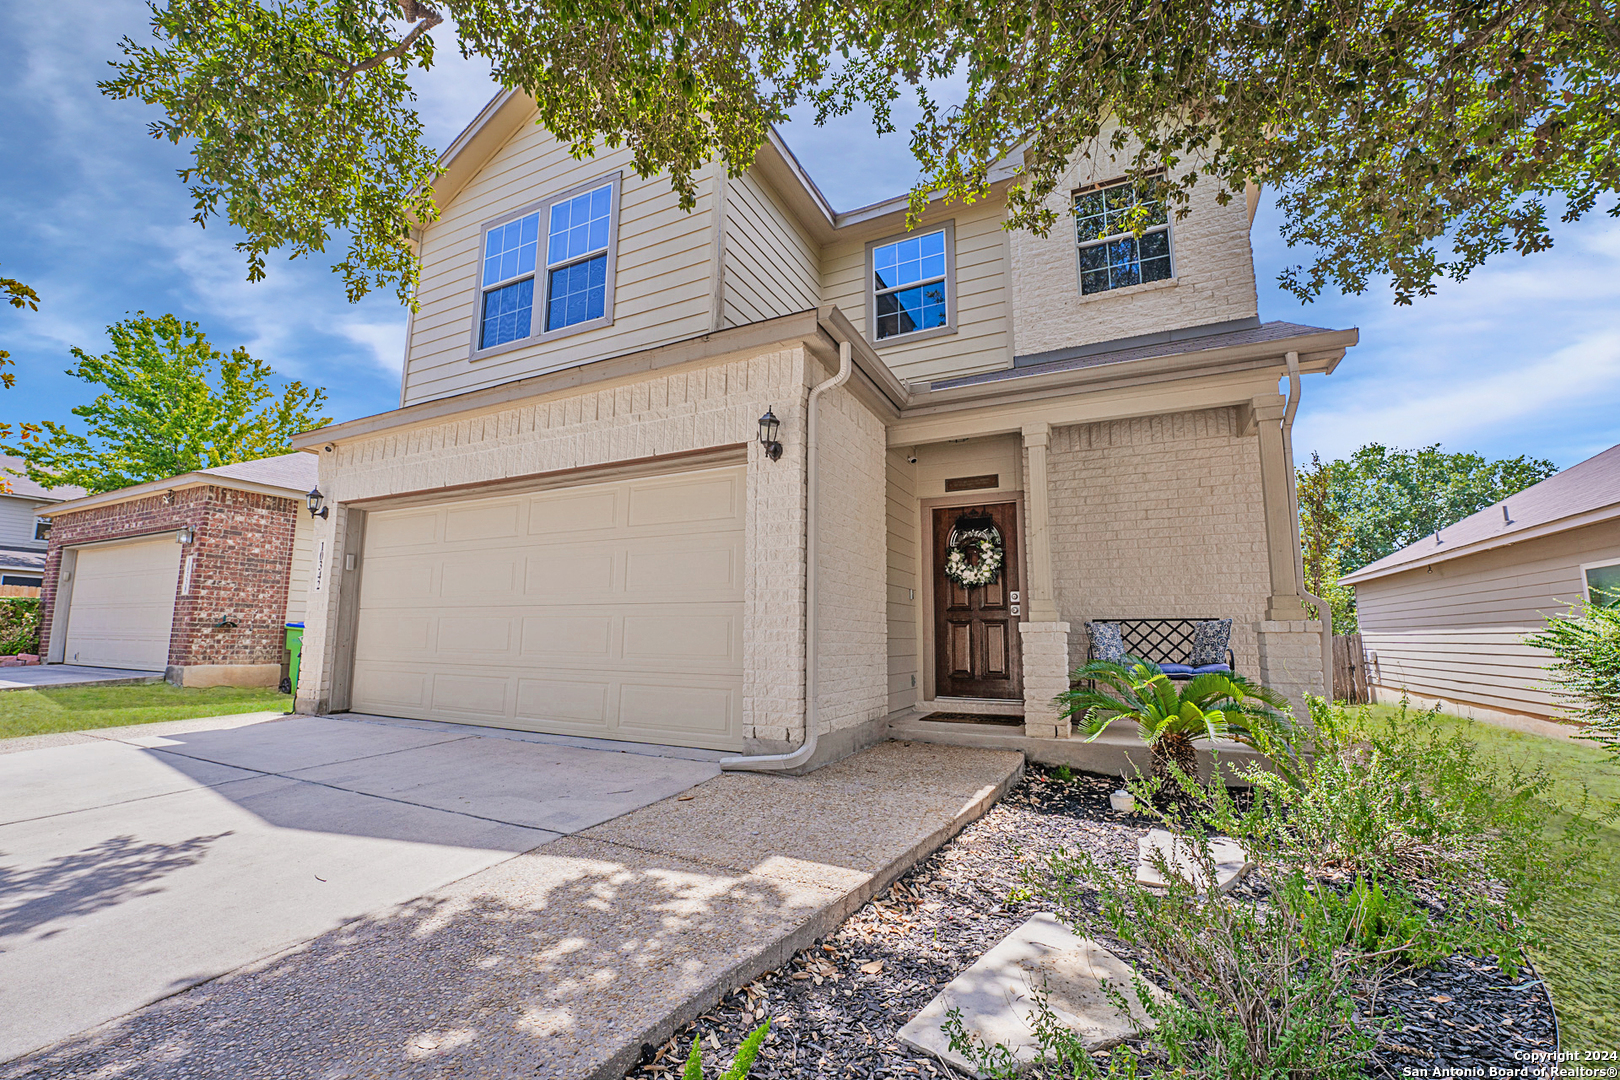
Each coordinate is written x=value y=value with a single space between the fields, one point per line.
x=986 y=544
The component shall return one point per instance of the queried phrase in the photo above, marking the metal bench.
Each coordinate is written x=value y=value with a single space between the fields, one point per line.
x=1161 y=641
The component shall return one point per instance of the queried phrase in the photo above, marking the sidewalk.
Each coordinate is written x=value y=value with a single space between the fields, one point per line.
x=563 y=961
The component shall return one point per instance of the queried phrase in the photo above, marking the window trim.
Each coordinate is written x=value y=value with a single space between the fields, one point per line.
x=1586 y=586
x=949 y=229
x=1079 y=271
x=542 y=276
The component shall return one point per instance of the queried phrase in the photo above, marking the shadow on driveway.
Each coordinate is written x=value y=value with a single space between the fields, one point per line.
x=117 y=869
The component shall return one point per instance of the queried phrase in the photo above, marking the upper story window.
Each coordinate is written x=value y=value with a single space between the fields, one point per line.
x=1112 y=255
x=42 y=528
x=912 y=292
x=549 y=270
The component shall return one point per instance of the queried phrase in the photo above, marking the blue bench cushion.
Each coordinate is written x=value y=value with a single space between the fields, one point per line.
x=1211 y=669
x=1176 y=669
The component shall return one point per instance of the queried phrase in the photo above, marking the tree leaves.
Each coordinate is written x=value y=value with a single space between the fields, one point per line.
x=292 y=136
x=173 y=404
x=1407 y=140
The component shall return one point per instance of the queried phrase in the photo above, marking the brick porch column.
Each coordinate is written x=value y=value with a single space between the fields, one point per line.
x=1046 y=675
x=1045 y=639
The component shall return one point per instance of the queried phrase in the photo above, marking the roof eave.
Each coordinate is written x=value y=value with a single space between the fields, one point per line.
x=174 y=483
x=1596 y=516
x=1319 y=354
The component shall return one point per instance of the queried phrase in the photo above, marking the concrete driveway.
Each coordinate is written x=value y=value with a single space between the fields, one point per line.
x=148 y=859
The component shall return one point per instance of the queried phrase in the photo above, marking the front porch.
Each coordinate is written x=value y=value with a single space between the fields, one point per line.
x=1176 y=516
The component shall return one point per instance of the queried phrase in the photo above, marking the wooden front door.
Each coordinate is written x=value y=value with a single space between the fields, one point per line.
x=976 y=646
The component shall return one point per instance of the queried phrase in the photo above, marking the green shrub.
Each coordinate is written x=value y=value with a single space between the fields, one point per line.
x=1402 y=804
x=741 y=1066
x=19 y=625
x=1170 y=717
x=1586 y=669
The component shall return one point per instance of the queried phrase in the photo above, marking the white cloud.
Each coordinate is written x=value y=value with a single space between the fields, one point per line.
x=386 y=340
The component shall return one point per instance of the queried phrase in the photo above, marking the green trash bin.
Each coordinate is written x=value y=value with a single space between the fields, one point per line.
x=295 y=647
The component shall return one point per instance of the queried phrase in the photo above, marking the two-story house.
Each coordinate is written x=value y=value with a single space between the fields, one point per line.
x=24 y=534
x=583 y=520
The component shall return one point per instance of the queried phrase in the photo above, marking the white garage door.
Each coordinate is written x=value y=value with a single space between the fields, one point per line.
x=122 y=604
x=611 y=610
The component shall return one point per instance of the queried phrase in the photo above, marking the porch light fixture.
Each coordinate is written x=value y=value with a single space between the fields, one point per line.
x=316 y=503
x=185 y=535
x=768 y=424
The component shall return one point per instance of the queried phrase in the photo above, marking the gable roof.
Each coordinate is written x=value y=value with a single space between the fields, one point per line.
x=286 y=475
x=510 y=110
x=1581 y=495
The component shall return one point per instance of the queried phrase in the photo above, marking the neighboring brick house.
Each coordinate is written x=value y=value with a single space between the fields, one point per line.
x=195 y=576
x=575 y=522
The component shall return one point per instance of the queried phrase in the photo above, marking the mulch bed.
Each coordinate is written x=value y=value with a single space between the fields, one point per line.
x=835 y=1008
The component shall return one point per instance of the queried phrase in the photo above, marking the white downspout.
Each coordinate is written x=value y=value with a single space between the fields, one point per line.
x=807 y=749
x=1324 y=613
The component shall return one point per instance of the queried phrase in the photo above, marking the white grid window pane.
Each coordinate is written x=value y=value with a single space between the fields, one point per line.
x=1112 y=255
x=509 y=250
x=579 y=226
x=905 y=262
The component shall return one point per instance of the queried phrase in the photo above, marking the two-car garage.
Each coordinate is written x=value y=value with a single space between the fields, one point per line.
x=612 y=610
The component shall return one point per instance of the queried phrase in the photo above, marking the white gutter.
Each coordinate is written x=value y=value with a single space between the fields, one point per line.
x=793 y=759
x=1323 y=612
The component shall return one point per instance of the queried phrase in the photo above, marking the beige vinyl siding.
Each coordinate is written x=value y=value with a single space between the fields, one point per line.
x=771 y=267
x=17 y=518
x=981 y=341
x=661 y=279
x=1456 y=632
x=905 y=671
x=303 y=559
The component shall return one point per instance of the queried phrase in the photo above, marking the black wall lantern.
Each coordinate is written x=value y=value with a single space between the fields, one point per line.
x=767 y=435
x=317 y=503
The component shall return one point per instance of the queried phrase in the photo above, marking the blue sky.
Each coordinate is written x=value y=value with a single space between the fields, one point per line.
x=1523 y=358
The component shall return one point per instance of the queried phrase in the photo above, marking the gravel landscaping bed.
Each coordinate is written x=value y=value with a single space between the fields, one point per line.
x=835 y=1008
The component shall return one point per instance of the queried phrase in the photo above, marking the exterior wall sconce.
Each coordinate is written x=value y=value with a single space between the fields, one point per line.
x=316 y=503
x=768 y=425
x=186 y=535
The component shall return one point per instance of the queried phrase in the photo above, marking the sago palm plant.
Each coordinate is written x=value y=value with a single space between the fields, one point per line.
x=1209 y=706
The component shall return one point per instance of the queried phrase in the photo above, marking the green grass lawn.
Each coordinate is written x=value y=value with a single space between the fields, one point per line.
x=76 y=708
x=1581 y=956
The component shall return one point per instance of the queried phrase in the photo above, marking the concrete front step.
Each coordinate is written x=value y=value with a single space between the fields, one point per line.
x=564 y=961
x=1116 y=752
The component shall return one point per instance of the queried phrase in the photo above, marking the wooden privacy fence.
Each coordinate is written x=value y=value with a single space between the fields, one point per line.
x=1350 y=670
x=19 y=590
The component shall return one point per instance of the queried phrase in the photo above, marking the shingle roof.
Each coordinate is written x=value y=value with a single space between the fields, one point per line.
x=1168 y=343
x=26 y=488
x=1580 y=490
x=286 y=470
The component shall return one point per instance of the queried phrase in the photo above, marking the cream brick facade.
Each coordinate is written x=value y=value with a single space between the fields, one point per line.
x=704 y=408
x=1160 y=517
x=1211 y=260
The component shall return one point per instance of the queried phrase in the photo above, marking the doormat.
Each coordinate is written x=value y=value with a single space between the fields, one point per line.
x=1000 y=720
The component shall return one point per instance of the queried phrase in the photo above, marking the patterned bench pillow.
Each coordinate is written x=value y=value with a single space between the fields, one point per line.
x=1210 y=641
x=1107 y=643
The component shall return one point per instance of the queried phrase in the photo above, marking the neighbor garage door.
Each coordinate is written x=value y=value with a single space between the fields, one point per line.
x=611 y=610
x=122 y=604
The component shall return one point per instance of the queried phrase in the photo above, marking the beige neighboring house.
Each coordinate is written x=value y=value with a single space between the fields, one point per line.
x=571 y=523
x=24 y=534
x=1445 y=618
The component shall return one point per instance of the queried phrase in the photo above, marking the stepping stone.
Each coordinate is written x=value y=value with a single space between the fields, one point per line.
x=998 y=1006
x=1231 y=861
